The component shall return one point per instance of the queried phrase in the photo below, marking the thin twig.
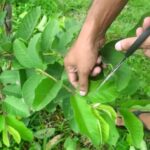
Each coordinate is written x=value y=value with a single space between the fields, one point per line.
x=54 y=79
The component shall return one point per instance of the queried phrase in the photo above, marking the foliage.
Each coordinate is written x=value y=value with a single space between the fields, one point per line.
x=32 y=82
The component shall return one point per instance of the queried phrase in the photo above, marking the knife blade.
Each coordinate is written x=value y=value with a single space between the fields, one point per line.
x=129 y=52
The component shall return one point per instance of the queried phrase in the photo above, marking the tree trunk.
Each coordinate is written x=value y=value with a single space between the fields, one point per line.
x=8 y=18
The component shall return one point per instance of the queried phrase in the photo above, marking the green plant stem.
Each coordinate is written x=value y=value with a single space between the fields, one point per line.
x=54 y=79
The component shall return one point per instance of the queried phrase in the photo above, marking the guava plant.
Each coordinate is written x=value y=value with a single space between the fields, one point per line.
x=32 y=77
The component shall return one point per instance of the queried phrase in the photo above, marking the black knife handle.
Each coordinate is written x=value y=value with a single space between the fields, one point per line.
x=138 y=42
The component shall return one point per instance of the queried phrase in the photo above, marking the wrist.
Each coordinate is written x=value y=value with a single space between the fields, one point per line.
x=89 y=33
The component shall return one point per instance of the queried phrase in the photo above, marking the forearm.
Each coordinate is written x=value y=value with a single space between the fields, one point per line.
x=99 y=18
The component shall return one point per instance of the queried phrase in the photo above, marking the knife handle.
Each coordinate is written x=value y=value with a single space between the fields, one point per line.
x=138 y=42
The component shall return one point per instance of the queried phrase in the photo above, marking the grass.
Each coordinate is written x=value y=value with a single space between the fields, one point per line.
x=128 y=18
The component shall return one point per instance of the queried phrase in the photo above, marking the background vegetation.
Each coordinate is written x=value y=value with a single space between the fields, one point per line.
x=36 y=111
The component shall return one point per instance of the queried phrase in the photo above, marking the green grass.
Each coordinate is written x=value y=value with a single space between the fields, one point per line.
x=128 y=18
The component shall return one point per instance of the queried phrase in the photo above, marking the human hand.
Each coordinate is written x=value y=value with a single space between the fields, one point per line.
x=82 y=61
x=124 y=44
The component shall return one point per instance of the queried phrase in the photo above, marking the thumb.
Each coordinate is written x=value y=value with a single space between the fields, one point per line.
x=126 y=43
x=83 y=82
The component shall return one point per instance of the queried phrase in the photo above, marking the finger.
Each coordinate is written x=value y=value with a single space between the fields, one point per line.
x=147 y=52
x=73 y=79
x=83 y=82
x=99 y=60
x=104 y=65
x=96 y=71
x=72 y=75
x=146 y=23
x=139 y=31
x=126 y=43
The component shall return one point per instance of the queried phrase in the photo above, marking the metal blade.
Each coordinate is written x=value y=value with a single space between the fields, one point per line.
x=112 y=73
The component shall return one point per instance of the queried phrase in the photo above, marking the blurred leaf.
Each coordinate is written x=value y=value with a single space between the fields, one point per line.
x=86 y=120
x=113 y=133
x=108 y=110
x=131 y=103
x=28 y=24
x=134 y=127
x=106 y=93
x=2 y=123
x=28 y=57
x=70 y=144
x=12 y=90
x=10 y=77
x=42 y=23
x=14 y=133
x=16 y=106
x=20 y=52
x=5 y=137
x=25 y=133
x=105 y=129
x=141 y=108
x=49 y=33
x=44 y=133
x=132 y=86
x=29 y=87
x=46 y=91
x=110 y=55
x=33 y=51
x=57 y=73
x=123 y=77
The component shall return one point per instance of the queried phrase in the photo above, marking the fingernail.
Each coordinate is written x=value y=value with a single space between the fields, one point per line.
x=118 y=46
x=82 y=93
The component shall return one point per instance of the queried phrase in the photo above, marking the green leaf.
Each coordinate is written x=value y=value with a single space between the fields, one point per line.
x=107 y=93
x=33 y=51
x=49 y=33
x=141 y=108
x=123 y=77
x=5 y=137
x=70 y=144
x=105 y=129
x=20 y=52
x=110 y=55
x=86 y=120
x=134 y=127
x=14 y=133
x=29 y=87
x=28 y=57
x=44 y=133
x=2 y=123
x=16 y=106
x=113 y=133
x=28 y=24
x=108 y=110
x=12 y=90
x=25 y=133
x=46 y=91
x=42 y=23
x=131 y=103
x=10 y=77
x=132 y=87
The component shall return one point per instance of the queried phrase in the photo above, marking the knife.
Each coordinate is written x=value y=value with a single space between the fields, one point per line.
x=129 y=52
